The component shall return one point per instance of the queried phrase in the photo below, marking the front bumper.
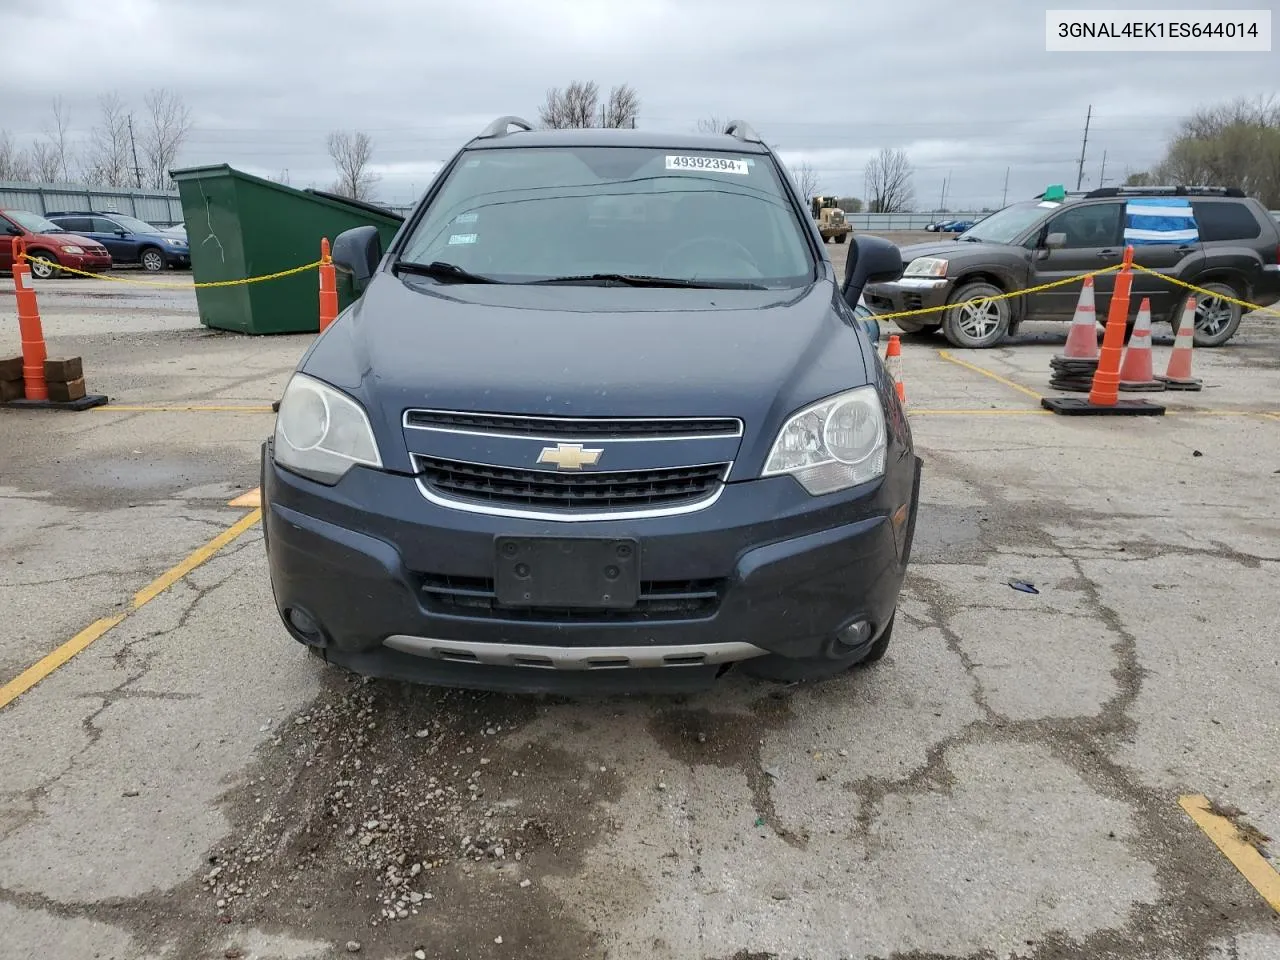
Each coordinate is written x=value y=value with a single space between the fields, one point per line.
x=909 y=293
x=400 y=587
x=89 y=263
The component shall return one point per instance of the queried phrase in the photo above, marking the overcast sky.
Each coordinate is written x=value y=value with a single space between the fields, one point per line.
x=964 y=86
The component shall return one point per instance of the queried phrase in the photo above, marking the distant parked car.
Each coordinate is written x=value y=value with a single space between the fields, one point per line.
x=49 y=244
x=129 y=239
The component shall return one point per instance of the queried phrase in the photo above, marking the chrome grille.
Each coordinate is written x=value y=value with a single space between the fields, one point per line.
x=570 y=428
x=595 y=490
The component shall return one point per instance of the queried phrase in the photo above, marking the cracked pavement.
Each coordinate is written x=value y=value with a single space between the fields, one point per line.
x=1004 y=784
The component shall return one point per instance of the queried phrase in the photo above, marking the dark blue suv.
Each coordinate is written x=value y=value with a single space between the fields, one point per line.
x=128 y=239
x=602 y=416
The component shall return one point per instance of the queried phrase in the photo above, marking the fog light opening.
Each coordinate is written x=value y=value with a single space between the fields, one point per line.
x=304 y=627
x=852 y=636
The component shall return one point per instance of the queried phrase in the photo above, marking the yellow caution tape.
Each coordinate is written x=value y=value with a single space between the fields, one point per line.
x=1003 y=296
x=177 y=286
x=1070 y=280
x=1209 y=293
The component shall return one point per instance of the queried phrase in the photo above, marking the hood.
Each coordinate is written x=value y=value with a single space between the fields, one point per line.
x=64 y=239
x=590 y=351
x=937 y=248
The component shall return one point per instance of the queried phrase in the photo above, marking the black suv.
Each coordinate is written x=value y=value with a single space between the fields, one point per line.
x=1234 y=249
x=601 y=417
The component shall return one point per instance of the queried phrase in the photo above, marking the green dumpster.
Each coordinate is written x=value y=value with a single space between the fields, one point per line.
x=240 y=226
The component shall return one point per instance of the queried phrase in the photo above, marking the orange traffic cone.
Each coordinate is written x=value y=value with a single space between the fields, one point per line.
x=1082 y=340
x=893 y=363
x=1135 y=368
x=1178 y=375
x=328 y=287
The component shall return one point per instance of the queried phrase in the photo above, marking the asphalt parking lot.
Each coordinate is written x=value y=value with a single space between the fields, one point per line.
x=1013 y=780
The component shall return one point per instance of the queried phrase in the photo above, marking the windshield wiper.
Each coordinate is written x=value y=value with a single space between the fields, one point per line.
x=970 y=239
x=635 y=280
x=441 y=271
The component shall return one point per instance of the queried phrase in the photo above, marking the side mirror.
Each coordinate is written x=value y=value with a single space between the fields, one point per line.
x=356 y=253
x=12 y=231
x=1055 y=240
x=122 y=233
x=871 y=260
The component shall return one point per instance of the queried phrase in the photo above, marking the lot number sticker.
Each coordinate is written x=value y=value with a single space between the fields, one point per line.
x=707 y=164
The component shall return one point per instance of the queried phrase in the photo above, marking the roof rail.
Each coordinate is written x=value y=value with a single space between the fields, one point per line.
x=499 y=127
x=1168 y=191
x=742 y=130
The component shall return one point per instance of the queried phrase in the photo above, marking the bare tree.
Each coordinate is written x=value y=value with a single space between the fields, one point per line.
x=889 y=181
x=711 y=124
x=46 y=167
x=849 y=204
x=58 y=142
x=806 y=179
x=574 y=106
x=168 y=123
x=14 y=163
x=352 y=153
x=578 y=105
x=622 y=107
x=108 y=160
x=283 y=178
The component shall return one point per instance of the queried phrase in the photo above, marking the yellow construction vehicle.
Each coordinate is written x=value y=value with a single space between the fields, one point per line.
x=831 y=222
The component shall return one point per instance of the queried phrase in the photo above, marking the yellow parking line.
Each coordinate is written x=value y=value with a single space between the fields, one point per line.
x=252 y=498
x=180 y=408
x=1243 y=856
x=52 y=661
x=979 y=413
x=987 y=373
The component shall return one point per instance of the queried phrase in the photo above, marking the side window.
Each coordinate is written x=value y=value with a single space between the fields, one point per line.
x=1091 y=225
x=1219 y=220
x=103 y=225
x=76 y=224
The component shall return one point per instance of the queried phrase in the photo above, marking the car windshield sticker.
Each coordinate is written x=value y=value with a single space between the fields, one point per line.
x=707 y=164
x=462 y=238
x=466 y=218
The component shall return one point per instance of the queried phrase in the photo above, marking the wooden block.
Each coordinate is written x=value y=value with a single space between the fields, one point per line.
x=11 y=390
x=63 y=369
x=11 y=368
x=66 y=392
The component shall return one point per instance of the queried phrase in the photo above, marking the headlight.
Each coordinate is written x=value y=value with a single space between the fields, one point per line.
x=926 y=267
x=321 y=432
x=72 y=248
x=834 y=444
x=171 y=241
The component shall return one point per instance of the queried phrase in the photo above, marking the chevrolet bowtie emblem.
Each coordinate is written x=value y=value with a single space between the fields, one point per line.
x=569 y=456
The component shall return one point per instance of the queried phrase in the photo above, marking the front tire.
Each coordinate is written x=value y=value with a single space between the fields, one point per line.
x=152 y=260
x=1216 y=320
x=39 y=270
x=796 y=670
x=979 y=325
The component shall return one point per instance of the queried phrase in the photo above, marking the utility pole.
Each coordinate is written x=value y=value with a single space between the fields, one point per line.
x=1004 y=198
x=137 y=170
x=942 y=203
x=1102 y=174
x=1083 y=143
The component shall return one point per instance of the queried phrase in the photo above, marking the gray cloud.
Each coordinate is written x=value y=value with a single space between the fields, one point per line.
x=965 y=87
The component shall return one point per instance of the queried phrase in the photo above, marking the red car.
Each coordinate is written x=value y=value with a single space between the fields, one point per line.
x=47 y=240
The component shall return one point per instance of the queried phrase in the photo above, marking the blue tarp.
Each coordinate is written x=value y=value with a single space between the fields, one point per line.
x=1152 y=220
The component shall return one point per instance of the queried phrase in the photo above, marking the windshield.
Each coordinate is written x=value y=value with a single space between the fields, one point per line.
x=522 y=215
x=133 y=224
x=1003 y=226
x=33 y=221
